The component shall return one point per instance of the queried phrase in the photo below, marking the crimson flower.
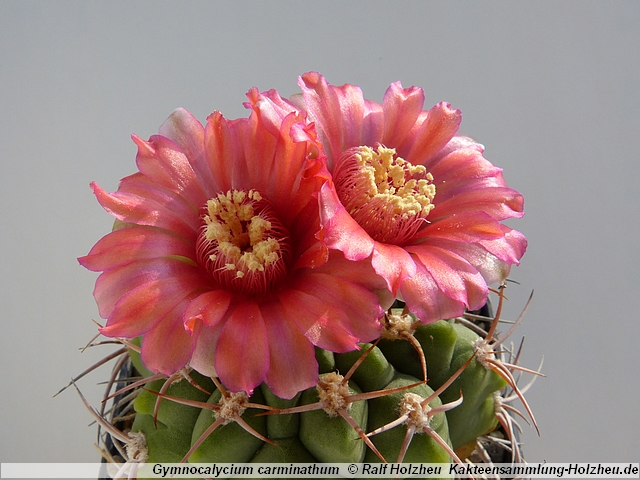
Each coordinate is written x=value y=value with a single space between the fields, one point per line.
x=218 y=265
x=412 y=195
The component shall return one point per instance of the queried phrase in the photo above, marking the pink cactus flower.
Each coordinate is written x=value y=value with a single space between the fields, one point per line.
x=218 y=265
x=412 y=195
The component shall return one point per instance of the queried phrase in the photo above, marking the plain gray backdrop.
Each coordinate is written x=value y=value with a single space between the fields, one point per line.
x=550 y=88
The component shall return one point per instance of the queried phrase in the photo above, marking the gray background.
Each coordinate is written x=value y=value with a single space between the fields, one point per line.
x=551 y=89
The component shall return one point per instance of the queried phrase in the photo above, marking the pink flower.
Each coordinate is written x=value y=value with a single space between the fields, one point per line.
x=408 y=192
x=216 y=265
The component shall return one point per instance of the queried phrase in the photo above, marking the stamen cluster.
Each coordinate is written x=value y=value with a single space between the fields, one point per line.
x=242 y=244
x=387 y=195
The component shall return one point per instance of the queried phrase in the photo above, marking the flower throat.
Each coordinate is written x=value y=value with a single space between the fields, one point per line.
x=389 y=197
x=242 y=244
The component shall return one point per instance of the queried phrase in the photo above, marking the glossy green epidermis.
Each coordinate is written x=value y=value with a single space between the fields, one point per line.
x=446 y=346
x=313 y=434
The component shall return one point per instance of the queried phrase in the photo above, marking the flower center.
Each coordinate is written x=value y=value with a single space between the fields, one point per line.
x=389 y=197
x=242 y=244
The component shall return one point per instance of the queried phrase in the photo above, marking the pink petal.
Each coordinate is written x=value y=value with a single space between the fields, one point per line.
x=167 y=347
x=203 y=356
x=337 y=111
x=360 y=304
x=323 y=324
x=305 y=228
x=141 y=309
x=462 y=165
x=446 y=191
x=361 y=273
x=499 y=202
x=278 y=163
x=188 y=134
x=131 y=208
x=372 y=124
x=301 y=210
x=468 y=227
x=493 y=269
x=393 y=264
x=113 y=284
x=455 y=277
x=426 y=300
x=140 y=185
x=436 y=131
x=259 y=154
x=352 y=112
x=401 y=108
x=242 y=352
x=510 y=248
x=458 y=142
x=134 y=244
x=342 y=232
x=272 y=108
x=210 y=307
x=162 y=161
x=293 y=365
x=224 y=149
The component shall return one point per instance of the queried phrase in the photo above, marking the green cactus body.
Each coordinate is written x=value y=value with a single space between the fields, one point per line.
x=318 y=435
x=169 y=437
x=447 y=346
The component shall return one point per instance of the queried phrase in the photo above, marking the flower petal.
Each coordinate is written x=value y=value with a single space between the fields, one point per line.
x=168 y=346
x=210 y=307
x=341 y=231
x=454 y=276
x=401 y=108
x=361 y=273
x=436 y=131
x=337 y=111
x=360 y=304
x=188 y=134
x=128 y=245
x=499 y=202
x=224 y=149
x=242 y=351
x=293 y=366
x=468 y=227
x=493 y=269
x=325 y=325
x=132 y=208
x=140 y=309
x=162 y=161
x=204 y=353
x=510 y=248
x=113 y=284
x=492 y=257
x=462 y=165
x=426 y=300
x=393 y=264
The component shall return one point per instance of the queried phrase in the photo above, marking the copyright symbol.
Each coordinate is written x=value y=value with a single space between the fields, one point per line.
x=353 y=468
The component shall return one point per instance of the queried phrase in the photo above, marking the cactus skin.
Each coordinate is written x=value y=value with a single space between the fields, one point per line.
x=446 y=346
x=170 y=437
x=313 y=435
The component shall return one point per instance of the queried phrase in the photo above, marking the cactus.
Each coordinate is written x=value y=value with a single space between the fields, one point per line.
x=370 y=405
x=343 y=258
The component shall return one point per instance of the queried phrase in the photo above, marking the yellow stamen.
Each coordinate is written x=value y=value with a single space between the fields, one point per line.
x=386 y=178
x=388 y=196
x=241 y=236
